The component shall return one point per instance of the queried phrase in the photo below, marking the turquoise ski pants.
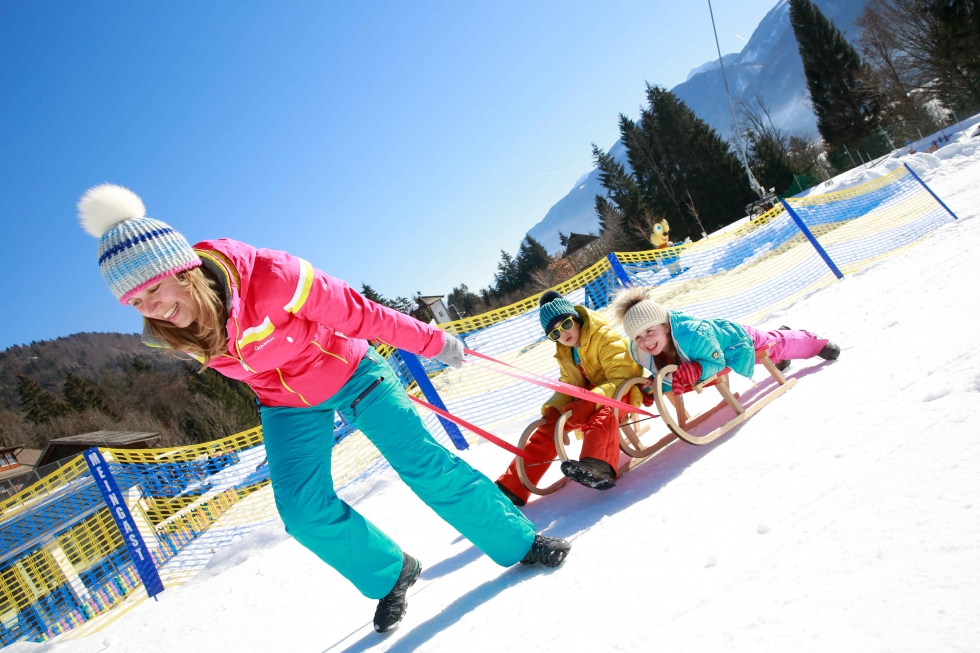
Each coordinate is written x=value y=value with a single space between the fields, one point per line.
x=299 y=442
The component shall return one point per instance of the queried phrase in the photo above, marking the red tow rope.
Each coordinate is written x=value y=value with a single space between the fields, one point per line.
x=486 y=435
x=557 y=386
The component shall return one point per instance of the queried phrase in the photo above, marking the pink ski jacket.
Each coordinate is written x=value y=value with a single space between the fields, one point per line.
x=295 y=334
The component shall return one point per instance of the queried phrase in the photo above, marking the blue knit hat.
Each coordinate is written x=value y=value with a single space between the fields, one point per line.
x=554 y=309
x=134 y=250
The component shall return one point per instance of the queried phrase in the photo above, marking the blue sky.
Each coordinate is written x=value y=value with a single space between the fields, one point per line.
x=397 y=144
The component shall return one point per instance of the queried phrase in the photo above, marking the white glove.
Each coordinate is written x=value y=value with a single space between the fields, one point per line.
x=451 y=353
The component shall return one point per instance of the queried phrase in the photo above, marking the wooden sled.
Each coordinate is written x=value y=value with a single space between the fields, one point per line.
x=631 y=429
x=680 y=425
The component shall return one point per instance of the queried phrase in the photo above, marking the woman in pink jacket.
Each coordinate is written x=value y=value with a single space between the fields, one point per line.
x=298 y=338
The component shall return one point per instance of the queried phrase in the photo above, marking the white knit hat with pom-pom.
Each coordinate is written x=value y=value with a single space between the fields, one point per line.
x=134 y=250
x=634 y=308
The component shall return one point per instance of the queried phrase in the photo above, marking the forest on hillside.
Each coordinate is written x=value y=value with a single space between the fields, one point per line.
x=110 y=381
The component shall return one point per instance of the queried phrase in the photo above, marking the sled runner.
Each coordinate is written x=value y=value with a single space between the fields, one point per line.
x=680 y=425
x=631 y=429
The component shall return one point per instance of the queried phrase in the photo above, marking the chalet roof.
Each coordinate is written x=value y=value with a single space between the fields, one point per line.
x=28 y=457
x=430 y=299
x=75 y=444
x=577 y=242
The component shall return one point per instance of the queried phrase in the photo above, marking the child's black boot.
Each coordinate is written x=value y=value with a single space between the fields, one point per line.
x=590 y=472
x=830 y=352
x=549 y=551
x=394 y=605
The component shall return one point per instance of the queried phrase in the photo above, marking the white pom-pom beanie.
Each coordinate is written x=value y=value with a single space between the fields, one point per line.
x=134 y=250
x=643 y=315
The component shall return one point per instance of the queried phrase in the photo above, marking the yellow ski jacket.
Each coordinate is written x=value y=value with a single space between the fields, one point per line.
x=606 y=358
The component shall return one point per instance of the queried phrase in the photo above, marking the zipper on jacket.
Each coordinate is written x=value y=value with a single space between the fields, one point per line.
x=367 y=391
x=330 y=353
x=283 y=382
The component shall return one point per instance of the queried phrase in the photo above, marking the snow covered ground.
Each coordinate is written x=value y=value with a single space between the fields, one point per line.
x=844 y=517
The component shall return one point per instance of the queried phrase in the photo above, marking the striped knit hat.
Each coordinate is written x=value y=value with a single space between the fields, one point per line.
x=134 y=250
x=554 y=309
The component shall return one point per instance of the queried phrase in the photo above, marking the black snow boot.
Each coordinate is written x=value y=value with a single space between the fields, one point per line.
x=549 y=551
x=590 y=472
x=830 y=352
x=516 y=500
x=393 y=607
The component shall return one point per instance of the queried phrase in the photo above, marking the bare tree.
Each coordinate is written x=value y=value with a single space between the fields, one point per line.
x=911 y=49
x=757 y=117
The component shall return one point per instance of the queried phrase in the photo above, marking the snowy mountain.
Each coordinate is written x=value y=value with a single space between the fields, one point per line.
x=768 y=66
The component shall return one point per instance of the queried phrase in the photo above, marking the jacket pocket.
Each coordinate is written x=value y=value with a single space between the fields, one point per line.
x=359 y=398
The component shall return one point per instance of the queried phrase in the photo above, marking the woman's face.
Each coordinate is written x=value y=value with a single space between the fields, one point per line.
x=166 y=300
x=654 y=340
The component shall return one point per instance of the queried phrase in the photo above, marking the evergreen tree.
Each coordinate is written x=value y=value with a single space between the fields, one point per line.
x=531 y=257
x=769 y=162
x=84 y=394
x=562 y=238
x=954 y=31
x=38 y=404
x=682 y=170
x=373 y=294
x=623 y=192
x=506 y=279
x=846 y=109
x=464 y=302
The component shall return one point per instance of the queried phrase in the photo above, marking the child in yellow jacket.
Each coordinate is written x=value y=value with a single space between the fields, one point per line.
x=590 y=355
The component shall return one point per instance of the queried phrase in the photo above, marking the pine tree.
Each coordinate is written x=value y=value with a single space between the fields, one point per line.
x=464 y=302
x=506 y=279
x=84 y=394
x=38 y=404
x=623 y=192
x=769 y=162
x=373 y=294
x=682 y=170
x=846 y=109
x=954 y=31
x=531 y=257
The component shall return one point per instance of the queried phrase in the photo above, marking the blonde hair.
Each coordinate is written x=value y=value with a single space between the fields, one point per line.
x=205 y=337
x=626 y=299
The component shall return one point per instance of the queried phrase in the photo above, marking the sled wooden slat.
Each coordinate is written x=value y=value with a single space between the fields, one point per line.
x=685 y=435
x=522 y=471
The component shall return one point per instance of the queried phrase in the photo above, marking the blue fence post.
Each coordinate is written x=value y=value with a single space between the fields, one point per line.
x=619 y=270
x=934 y=196
x=415 y=368
x=813 y=241
x=116 y=503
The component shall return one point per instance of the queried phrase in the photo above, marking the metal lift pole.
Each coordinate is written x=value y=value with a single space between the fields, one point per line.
x=753 y=183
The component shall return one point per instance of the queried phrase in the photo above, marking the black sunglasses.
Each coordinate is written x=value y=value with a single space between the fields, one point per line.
x=555 y=334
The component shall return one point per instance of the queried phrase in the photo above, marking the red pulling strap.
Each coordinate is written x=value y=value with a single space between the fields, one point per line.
x=476 y=429
x=558 y=386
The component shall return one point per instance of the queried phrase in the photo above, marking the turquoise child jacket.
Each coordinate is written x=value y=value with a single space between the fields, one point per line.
x=715 y=343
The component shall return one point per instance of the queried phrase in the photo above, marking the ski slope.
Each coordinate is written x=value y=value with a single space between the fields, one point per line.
x=844 y=517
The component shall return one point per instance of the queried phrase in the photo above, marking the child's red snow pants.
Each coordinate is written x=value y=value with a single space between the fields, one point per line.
x=601 y=440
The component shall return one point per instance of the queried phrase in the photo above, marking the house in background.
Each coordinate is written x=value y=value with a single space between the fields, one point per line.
x=16 y=463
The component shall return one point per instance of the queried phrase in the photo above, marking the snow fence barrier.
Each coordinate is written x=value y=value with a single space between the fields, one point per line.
x=64 y=568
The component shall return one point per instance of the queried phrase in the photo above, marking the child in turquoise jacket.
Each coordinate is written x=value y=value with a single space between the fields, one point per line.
x=703 y=347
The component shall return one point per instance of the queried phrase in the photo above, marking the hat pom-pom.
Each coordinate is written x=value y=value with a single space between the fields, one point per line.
x=104 y=206
x=549 y=296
